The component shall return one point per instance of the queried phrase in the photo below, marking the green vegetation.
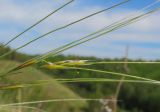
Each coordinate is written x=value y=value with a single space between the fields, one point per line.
x=52 y=91
x=131 y=94
x=148 y=94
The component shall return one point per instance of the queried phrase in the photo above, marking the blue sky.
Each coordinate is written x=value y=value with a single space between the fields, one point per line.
x=142 y=37
x=133 y=4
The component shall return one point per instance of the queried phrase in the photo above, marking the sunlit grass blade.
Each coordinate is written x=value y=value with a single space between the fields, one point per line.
x=15 y=108
x=12 y=86
x=53 y=66
x=73 y=80
x=113 y=73
x=38 y=22
x=94 y=62
x=65 y=80
x=122 y=62
x=55 y=100
x=87 y=80
x=65 y=26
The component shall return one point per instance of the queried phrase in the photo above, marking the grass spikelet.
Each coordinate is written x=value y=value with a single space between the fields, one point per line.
x=23 y=65
x=72 y=62
x=53 y=66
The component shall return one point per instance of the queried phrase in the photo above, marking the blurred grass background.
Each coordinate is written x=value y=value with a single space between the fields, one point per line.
x=134 y=97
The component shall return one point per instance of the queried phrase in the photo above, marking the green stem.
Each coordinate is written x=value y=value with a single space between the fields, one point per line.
x=113 y=73
x=65 y=26
x=74 y=80
x=38 y=22
x=51 y=100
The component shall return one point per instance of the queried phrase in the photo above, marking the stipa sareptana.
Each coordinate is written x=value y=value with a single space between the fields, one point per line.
x=69 y=63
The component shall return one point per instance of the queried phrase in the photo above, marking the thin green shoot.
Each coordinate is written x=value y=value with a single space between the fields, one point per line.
x=73 y=80
x=63 y=27
x=54 y=100
x=38 y=22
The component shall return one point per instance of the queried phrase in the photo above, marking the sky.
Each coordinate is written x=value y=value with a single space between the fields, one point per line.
x=142 y=37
